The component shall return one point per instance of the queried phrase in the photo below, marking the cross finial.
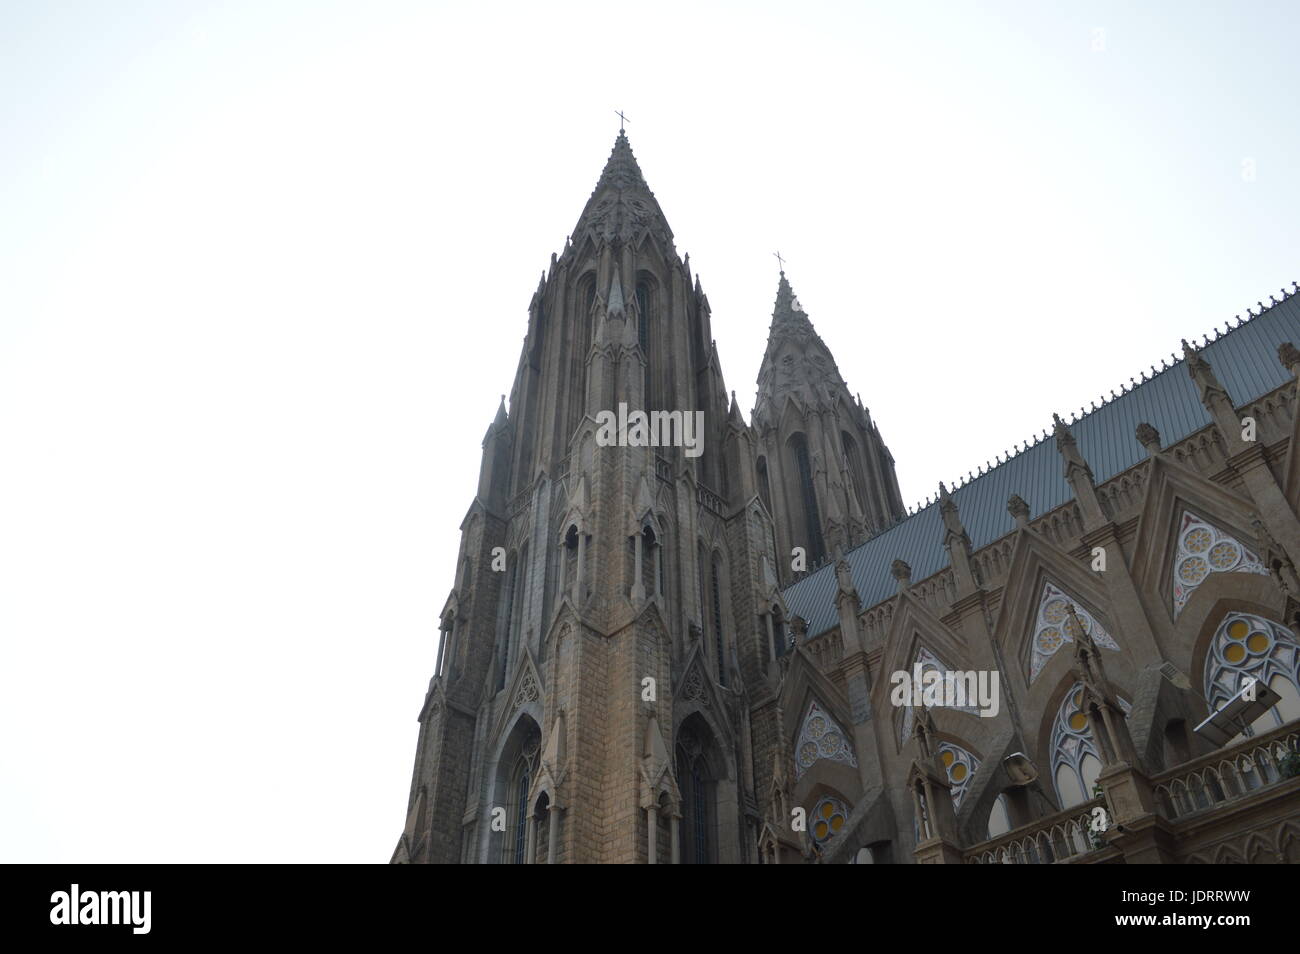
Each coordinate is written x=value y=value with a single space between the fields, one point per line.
x=621 y=119
x=780 y=262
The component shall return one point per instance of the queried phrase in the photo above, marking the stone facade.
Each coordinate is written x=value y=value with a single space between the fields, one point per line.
x=656 y=656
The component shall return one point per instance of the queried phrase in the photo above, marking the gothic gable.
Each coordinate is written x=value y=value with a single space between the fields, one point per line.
x=1052 y=628
x=696 y=692
x=524 y=693
x=820 y=737
x=1037 y=563
x=1200 y=549
x=1171 y=490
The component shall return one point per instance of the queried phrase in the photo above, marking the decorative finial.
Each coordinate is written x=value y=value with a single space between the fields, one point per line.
x=1018 y=509
x=901 y=572
x=621 y=120
x=1148 y=437
x=1288 y=355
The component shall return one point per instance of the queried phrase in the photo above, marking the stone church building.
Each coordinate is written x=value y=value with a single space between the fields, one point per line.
x=653 y=655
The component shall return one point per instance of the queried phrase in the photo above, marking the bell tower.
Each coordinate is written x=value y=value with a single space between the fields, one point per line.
x=589 y=699
x=823 y=470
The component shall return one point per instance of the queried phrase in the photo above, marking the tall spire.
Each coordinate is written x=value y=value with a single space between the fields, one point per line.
x=622 y=205
x=788 y=317
x=840 y=458
x=621 y=170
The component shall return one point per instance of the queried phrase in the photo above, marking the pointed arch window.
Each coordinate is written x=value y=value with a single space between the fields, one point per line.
x=503 y=643
x=570 y=557
x=999 y=817
x=650 y=562
x=516 y=785
x=699 y=790
x=1246 y=646
x=581 y=323
x=644 y=302
x=520 y=592
x=961 y=766
x=1076 y=763
x=780 y=642
x=523 y=783
x=764 y=486
x=661 y=577
x=808 y=498
x=855 y=469
x=718 y=639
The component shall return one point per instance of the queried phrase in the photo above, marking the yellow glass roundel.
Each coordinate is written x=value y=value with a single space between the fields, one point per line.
x=1197 y=540
x=1257 y=643
x=1193 y=570
x=1224 y=555
x=828 y=810
x=1237 y=629
x=958 y=772
x=837 y=823
x=808 y=753
x=947 y=759
x=1235 y=653
x=820 y=830
x=1078 y=722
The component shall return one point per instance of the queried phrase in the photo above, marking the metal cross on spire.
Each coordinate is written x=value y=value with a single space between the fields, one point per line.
x=621 y=119
x=780 y=262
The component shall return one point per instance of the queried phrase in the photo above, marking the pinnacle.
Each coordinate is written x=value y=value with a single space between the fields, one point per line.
x=616 y=305
x=788 y=317
x=621 y=171
x=622 y=206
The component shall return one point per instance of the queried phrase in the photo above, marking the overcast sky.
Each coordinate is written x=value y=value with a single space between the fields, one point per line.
x=264 y=272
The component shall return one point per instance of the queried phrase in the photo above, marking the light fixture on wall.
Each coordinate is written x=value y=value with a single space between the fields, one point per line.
x=1019 y=768
x=1250 y=702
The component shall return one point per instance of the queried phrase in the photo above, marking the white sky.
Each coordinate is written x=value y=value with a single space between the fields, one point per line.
x=264 y=271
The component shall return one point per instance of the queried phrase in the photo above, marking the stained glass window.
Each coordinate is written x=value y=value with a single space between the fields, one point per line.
x=827 y=818
x=521 y=812
x=1052 y=628
x=820 y=737
x=700 y=812
x=643 y=336
x=1204 y=549
x=961 y=766
x=929 y=663
x=812 y=519
x=1076 y=762
x=717 y=620
x=698 y=794
x=1247 y=646
x=999 y=817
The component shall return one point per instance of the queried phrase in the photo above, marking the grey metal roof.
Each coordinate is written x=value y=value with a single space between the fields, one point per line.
x=1246 y=364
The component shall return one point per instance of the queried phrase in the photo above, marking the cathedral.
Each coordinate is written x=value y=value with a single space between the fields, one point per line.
x=663 y=652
